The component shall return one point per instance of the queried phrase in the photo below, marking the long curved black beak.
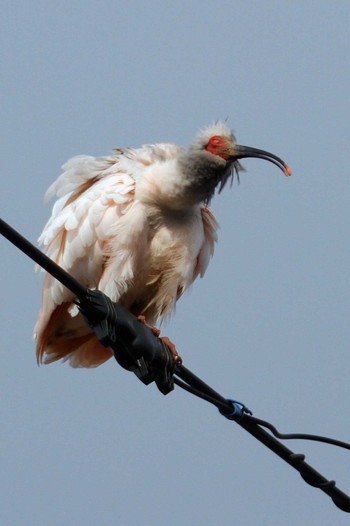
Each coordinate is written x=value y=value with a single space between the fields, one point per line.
x=240 y=152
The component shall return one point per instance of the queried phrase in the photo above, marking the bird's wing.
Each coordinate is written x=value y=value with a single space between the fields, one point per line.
x=93 y=195
x=210 y=228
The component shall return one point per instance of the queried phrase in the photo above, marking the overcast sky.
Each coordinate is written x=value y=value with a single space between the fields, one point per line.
x=268 y=324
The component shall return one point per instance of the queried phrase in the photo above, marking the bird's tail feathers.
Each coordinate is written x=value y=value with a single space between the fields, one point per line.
x=69 y=339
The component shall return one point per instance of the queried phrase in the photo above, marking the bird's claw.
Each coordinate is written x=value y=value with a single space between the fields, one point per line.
x=176 y=357
x=171 y=346
x=142 y=319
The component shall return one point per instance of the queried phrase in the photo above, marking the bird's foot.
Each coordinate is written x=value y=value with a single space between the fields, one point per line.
x=176 y=357
x=154 y=329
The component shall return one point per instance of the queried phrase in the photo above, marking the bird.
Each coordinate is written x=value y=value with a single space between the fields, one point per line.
x=137 y=225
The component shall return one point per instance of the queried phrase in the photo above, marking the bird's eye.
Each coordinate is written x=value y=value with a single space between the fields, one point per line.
x=215 y=141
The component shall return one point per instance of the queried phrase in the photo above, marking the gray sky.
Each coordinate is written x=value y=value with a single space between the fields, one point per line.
x=269 y=323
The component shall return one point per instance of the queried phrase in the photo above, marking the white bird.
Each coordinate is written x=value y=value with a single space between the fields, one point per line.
x=136 y=226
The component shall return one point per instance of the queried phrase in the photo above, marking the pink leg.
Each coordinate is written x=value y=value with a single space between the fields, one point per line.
x=177 y=358
x=142 y=319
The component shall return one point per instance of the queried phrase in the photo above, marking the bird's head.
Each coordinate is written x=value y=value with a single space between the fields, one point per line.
x=218 y=143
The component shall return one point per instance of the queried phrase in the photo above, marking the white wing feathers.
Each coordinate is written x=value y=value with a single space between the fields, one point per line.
x=93 y=195
x=76 y=171
x=96 y=232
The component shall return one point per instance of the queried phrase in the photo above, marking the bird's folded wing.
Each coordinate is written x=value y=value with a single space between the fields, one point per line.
x=93 y=194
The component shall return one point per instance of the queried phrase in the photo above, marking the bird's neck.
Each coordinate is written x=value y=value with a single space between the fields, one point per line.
x=201 y=173
x=182 y=183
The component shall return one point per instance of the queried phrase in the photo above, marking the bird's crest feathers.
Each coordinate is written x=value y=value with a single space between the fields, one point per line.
x=219 y=128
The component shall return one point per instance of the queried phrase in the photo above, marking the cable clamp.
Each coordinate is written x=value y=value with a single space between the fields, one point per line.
x=238 y=410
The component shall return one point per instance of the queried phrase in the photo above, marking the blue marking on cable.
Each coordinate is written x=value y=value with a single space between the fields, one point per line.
x=238 y=410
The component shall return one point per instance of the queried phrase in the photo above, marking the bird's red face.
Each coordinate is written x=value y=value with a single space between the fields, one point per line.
x=227 y=149
x=221 y=146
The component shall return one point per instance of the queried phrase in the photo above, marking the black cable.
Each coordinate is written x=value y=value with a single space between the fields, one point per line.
x=220 y=405
x=252 y=425
x=225 y=406
x=149 y=358
x=299 y=436
x=41 y=259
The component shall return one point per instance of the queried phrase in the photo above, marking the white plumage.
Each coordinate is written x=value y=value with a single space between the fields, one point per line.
x=134 y=225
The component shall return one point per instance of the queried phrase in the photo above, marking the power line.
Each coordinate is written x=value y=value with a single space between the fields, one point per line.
x=138 y=349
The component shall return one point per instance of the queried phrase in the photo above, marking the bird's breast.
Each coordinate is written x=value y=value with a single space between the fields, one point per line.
x=166 y=266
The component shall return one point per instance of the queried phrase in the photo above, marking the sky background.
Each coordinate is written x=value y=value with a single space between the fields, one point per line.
x=268 y=324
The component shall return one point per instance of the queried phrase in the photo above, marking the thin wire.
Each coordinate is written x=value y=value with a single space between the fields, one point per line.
x=226 y=407
x=232 y=410
x=298 y=436
x=220 y=405
x=255 y=427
